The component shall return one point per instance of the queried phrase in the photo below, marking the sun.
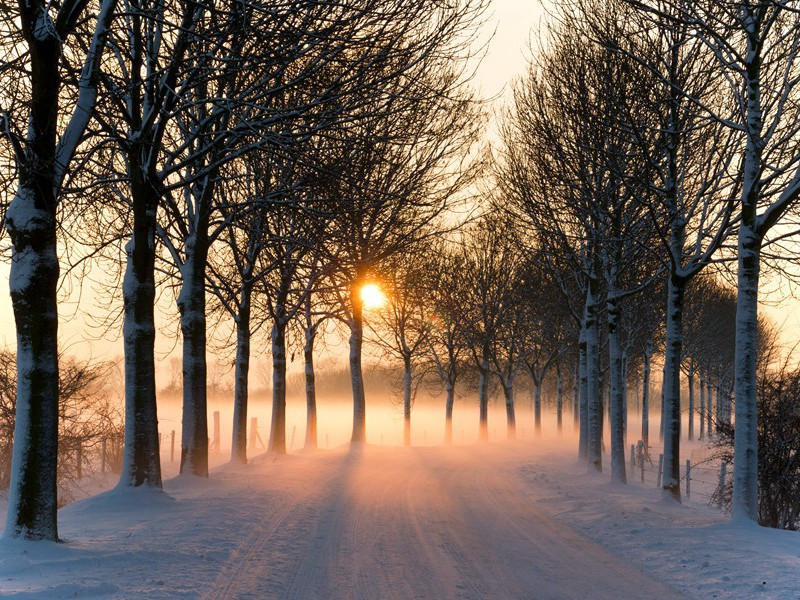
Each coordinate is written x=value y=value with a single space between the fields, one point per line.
x=372 y=296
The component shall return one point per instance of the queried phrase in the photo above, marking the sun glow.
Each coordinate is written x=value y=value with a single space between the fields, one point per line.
x=372 y=296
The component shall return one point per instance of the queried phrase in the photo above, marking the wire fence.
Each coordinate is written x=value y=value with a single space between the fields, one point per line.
x=702 y=478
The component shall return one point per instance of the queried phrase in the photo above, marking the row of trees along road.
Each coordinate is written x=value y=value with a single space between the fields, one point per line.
x=647 y=138
x=159 y=130
x=259 y=164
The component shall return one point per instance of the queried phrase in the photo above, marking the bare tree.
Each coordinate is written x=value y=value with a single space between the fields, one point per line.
x=43 y=126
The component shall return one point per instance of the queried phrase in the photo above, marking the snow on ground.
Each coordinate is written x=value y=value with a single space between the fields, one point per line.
x=692 y=546
x=483 y=521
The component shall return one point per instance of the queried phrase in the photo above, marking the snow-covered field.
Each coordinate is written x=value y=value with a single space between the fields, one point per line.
x=519 y=520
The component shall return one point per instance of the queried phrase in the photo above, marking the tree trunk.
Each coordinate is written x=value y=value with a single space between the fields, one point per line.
x=583 y=438
x=576 y=417
x=448 y=415
x=406 y=400
x=594 y=408
x=311 y=390
x=559 y=400
x=242 y=371
x=537 y=405
x=192 y=307
x=648 y=355
x=618 y=465
x=141 y=464
x=672 y=388
x=356 y=375
x=31 y=223
x=702 y=406
x=483 y=397
x=277 y=434
x=690 y=380
x=745 y=445
x=32 y=500
x=511 y=420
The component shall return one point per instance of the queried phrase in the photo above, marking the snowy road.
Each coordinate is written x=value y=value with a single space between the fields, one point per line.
x=417 y=523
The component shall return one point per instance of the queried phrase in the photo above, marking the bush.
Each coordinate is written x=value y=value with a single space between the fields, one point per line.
x=778 y=450
x=88 y=414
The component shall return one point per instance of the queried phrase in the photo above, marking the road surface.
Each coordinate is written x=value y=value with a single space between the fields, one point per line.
x=428 y=523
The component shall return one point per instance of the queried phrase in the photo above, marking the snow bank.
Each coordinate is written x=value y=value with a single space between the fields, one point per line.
x=692 y=546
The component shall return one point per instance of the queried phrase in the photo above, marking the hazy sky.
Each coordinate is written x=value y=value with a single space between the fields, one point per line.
x=511 y=22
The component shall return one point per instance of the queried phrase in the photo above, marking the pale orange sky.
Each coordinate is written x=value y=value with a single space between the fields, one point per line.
x=512 y=22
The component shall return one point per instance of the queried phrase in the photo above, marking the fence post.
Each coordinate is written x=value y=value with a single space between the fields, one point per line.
x=660 y=467
x=633 y=459
x=172 y=446
x=294 y=430
x=688 y=478
x=79 y=459
x=103 y=456
x=722 y=469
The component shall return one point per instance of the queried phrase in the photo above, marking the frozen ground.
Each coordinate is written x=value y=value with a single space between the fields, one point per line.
x=497 y=521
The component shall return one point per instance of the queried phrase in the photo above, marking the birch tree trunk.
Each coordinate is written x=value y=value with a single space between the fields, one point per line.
x=311 y=390
x=648 y=355
x=744 y=502
x=241 y=377
x=511 y=420
x=277 y=435
x=672 y=388
x=406 y=400
x=141 y=464
x=744 y=499
x=618 y=472
x=709 y=406
x=192 y=307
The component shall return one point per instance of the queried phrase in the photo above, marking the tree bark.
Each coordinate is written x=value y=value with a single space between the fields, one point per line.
x=406 y=400
x=702 y=406
x=672 y=388
x=32 y=500
x=311 y=390
x=141 y=464
x=356 y=375
x=583 y=439
x=192 y=307
x=537 y=404
x=745 y=445
x=648 y=355
x=559 y=400
x=448 y=415
x=511 y=419
x=241 y=392
x=576 y=394
x=594 y=405
x=277 y=435
x=618 y=465
x=483 y=397
x=690 y=381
